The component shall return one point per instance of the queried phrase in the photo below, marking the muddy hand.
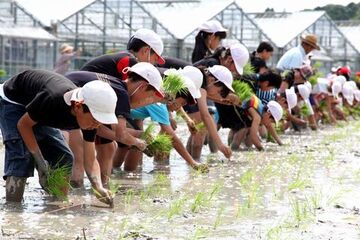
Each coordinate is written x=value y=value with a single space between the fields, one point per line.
x=226 y=151
x=141 y=144
x=42 y=167
x=192 y=127
x=105 y=196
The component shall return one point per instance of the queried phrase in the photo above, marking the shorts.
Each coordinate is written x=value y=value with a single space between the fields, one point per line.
x=18 y=160
x=232 y=117
x=194 y=108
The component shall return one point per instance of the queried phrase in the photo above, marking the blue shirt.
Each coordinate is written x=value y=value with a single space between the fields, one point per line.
x=157 y=112
x=293 y=58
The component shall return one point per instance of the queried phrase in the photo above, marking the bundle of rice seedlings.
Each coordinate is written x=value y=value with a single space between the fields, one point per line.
x=200 y=126
x=248 y=69
x=160 y=145
x=58 y=181
x=147 y=135
x=317 y=74
x=173 y=84
x=2 y=73
x=242 y=90
x=304 y=110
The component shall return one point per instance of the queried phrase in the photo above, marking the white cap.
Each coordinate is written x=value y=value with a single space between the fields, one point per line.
x=150 y=73
x=275 y=110
x=340 y=79
x=321 y=86
x=153 y=40
x=348 y=92
x=240 y=55
x=357 y=95
x=222 y=74
x=336 y=88
x=304 y=91
x=291 y=98
x=100 y=98
x=194 y=74
x=212 y=26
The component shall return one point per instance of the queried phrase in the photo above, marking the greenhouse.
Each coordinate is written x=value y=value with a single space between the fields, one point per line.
x=23 y=41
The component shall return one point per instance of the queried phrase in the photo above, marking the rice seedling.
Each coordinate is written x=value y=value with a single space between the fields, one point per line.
x=248 y=69
x=147 y=135
x=200 y=201
x=199 y=233
x=242 y=90
x=173 y=84
x=219 y=216
x=305 y=110
x=300 y=211
x=129 y=196
x=200 y=126
x=58 y=181
x=176 y=207
x=160 y=145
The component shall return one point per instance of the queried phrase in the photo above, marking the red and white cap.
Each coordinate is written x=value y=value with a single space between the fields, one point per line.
x=153 y=40
x=150 y=73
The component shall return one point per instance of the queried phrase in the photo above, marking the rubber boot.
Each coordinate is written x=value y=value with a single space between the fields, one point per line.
x=15 y=187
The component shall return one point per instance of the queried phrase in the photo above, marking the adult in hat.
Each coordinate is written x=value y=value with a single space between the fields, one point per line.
x=34 y=105
x=67 y=53
x=208 y=39
x=296 y=56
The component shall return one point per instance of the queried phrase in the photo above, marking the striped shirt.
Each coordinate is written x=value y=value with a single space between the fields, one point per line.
x=267 y=95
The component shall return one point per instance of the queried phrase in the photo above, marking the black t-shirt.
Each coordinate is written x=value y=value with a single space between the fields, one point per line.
x=207 y=62
x=111 y=64
x=42 y=94
x=171 y=62
x=80 y=78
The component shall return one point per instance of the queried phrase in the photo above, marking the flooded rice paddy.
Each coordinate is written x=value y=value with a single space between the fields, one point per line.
x=307 y=189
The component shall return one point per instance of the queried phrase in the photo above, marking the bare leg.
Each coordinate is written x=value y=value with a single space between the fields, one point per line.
x=105 y=154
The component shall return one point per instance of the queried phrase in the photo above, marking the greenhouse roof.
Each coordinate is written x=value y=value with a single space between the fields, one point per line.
x=181 y=18
x=47 y=10
x=25 y=32
x=351 y=31
x=281 y=28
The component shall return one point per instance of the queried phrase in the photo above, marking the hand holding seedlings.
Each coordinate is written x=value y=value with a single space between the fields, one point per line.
x=43 y=169
x=202 y=167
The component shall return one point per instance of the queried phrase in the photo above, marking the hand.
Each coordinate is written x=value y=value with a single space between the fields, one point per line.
x=141 y=144
x=104 y=195
x=42 y=167
x=233 y=98
x=226 y=150
x=173 y=124
x=192 y=126
x=202 y=167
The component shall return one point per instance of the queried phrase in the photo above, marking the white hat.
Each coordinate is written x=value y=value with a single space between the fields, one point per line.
x=153 y=40
x=304 y=91
x=240 y=55
x=291 y=98
x=100 y=98
x=212 y=26
x=348 y=92
x=150 y=73
x=321 y=86
x=336 y=88
x=194 y=74
x=340 y=79
x=275 y=110
x=222 y=74
x=357 y=95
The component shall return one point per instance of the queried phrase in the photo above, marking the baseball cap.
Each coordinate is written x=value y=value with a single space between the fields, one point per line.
x=222 y=74
x=100 y=98
x=305 y=71
x=240 y=55
x=150 y=73
x=275 y=110
x=291 y=98
x=194 y=74
x=153 y=40
x=212 y=26
x=304 y=91
x=344 y=71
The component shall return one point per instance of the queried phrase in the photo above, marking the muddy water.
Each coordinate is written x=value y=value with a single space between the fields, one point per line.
x=307 y=189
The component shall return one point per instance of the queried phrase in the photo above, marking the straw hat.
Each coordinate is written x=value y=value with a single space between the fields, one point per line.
x=310 y=40
x=65 y=47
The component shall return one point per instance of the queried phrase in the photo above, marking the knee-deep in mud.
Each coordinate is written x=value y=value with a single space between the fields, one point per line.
x=307 y=189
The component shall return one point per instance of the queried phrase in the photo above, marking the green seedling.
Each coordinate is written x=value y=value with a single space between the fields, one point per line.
x=58 y=181
x=160 y=145
x=200 y=201
x=300 y=211
x=147 y=135
x=200 y=126
x=173 y=84
x=248 y=69
x=219 y=216
x=176 y=207
x=129 y=196
x=305 y=110
x=242 y=90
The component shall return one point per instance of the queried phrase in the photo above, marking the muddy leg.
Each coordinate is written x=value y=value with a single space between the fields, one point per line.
x=15 y=187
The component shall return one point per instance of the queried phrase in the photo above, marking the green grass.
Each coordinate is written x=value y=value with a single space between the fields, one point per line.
x=58 y=181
